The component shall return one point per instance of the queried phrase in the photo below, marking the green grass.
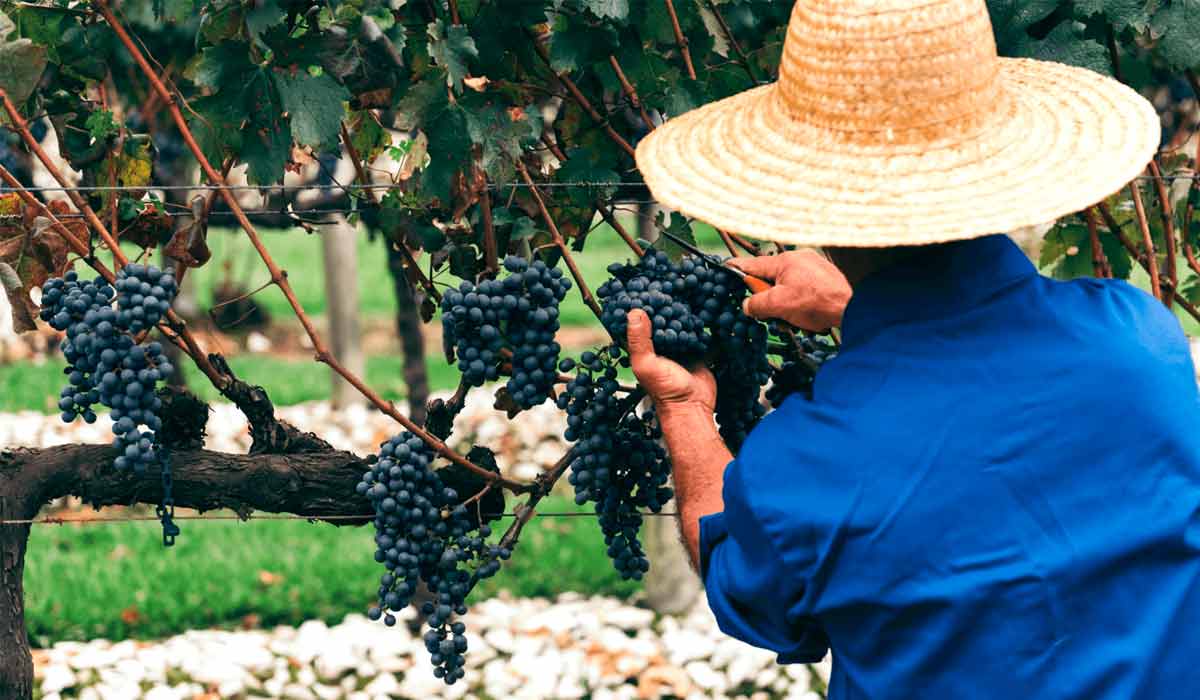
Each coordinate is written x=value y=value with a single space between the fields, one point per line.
x=116 y=581
x=28 y=386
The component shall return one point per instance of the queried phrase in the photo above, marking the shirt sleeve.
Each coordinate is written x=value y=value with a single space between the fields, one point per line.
x=754 y=594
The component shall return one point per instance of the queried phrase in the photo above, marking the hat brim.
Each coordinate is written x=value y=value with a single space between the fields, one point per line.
x=1067 y=138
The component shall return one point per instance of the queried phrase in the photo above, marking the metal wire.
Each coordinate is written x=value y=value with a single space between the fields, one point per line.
x=50 y=520
x=253 y=212
x=297 y=188
x=380 y=186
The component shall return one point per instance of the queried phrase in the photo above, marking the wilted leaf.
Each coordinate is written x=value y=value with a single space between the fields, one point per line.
x=21 y=66
x=189 y=244
x=21 y=306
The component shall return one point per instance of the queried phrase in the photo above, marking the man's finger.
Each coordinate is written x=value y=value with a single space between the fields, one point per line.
x=768 y=304
x=767 y=267
x=641 y=346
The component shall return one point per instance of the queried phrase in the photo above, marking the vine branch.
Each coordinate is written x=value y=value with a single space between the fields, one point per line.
x=584 y=291
x=681 y=40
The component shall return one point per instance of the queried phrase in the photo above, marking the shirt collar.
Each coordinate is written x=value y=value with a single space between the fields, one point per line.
x=935 y=281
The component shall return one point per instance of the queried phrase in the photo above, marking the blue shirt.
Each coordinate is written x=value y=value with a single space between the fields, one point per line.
x=994 y=493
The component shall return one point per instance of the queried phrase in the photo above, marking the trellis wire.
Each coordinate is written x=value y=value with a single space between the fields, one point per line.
x=381 y=186
x=49 y=520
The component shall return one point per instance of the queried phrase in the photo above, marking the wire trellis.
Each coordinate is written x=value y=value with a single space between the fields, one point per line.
x=364 y=517
x=495 y=186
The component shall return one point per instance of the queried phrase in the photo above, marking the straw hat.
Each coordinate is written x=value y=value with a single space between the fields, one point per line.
x=895 y=123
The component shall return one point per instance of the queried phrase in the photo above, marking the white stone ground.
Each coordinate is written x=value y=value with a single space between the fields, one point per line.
x=573 y=647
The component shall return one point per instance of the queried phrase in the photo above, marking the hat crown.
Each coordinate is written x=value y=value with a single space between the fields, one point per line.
x=886 y=72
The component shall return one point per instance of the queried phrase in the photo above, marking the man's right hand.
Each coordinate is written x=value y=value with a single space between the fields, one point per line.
x=809 y=292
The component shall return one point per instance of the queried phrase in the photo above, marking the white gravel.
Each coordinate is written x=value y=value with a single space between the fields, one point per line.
x=573 y=647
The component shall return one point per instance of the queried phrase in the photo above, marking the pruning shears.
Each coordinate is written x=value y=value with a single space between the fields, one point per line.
x=754 y=284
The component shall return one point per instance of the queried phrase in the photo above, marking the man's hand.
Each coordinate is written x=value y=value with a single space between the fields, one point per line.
x=809 y=292
x=667 y=382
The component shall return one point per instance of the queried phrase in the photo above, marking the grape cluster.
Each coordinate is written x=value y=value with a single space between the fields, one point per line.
x=83 y=311
x=144 y=295
x=423 y=533
x=104 y=362
x=617 y=461
x=696 y=312
x=518 y=313
x=658 y=287
x=796 y=376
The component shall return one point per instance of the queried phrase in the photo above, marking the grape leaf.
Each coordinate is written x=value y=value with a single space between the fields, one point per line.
x=1010 y=19
x=1179 y=26
x=264 y=15
x=610 y=9
x=314 y=104
x=453 y=49
x=1065 y=44
x=225 y=65
x=1122 y=14
x=678 y=226
x=21 y=66
x=32 y=254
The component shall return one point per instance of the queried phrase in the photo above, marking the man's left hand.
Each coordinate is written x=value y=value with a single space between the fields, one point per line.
x=667 y=382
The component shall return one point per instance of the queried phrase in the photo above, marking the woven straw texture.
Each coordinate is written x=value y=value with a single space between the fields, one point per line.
x=894 y=123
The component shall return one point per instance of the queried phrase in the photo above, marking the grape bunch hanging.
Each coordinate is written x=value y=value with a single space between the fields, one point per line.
x=106 y=363
x=512 y=319
x=423 y=533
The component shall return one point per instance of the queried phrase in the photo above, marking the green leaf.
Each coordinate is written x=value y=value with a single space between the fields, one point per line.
x=21 y=66
x=523 y=227
x=449 y=153
x=1118 y=258
x=1179 y=27
x=1122 y=14
x=1068 y=244
x=100 y=124
x=1066 y=44
x=453 y=49
x=264 y=15
x=575 y=44
x=678 y=226
x=608 y=9
x=314 y=104
x=224 y=65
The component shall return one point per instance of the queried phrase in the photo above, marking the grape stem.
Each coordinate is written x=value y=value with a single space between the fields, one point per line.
x=581 y=100
x=409 y=260
x=608 y=212
x=630 y=92
x=279 y=276
x=1115 y=228
x=1100 y=266
x=558 y=240
x=1147 y=240
x=681 y=40
x=1168 y=221
x=545 y=481
x=733 y=43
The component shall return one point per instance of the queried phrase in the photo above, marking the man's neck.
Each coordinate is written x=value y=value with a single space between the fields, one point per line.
x=859 y=263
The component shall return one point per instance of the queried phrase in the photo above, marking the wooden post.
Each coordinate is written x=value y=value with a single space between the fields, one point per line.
x=339 y=242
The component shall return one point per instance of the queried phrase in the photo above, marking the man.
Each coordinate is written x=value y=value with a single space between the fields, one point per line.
x=995 y=489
